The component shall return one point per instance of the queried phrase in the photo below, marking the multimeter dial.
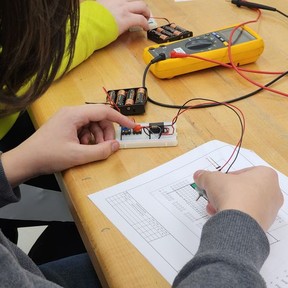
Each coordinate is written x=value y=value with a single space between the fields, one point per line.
x=199 y=44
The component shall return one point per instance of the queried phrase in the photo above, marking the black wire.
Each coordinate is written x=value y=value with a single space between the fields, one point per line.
x=206 y=105
x=214 y=104
x=282 y=13
x=218 y=103
x=145 y=74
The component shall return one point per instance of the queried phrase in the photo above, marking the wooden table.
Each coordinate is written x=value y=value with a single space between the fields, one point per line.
x=120 y=65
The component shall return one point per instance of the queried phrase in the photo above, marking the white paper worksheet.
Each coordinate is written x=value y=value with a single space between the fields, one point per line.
x=158 y=213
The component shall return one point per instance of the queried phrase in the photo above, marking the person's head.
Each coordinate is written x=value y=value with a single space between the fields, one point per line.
x=32 y=45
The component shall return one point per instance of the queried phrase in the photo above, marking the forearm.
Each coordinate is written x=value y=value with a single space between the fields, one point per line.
x=62 y=142
x=16 y=167
x=7 y=194
x=233 y=248
x=97 y=29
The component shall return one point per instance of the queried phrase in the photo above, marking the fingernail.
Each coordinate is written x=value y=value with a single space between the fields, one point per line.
x=198 y=173
x=115 y=146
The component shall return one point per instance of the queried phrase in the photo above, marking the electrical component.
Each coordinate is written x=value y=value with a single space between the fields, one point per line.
x=246 y=47
x=158 y=134
x=121 y=96
x=201 y=192
x=130 y=97
x=129 y=101
x=156 y=128
x=151 y=23
x=168 y=33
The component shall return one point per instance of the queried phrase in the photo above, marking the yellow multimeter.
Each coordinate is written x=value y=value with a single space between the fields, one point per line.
x=246 y=48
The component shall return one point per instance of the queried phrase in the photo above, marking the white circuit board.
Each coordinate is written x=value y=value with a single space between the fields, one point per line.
x=148 y=137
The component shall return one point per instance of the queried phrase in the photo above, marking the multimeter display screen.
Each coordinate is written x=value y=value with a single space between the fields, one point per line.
x=239 y=36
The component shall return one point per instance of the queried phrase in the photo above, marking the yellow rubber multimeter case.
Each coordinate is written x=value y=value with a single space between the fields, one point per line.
x=246 y=48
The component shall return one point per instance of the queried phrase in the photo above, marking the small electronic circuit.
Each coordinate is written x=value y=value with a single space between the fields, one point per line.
x=157 y=134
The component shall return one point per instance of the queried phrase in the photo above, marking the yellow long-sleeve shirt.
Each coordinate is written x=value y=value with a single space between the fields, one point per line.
x=97 y=28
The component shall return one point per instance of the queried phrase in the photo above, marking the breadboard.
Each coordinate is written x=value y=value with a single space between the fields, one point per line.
x=148 y=139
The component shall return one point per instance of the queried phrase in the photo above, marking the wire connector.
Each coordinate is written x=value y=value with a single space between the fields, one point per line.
x=252 y=5
x=174 y=54
x=158 y=58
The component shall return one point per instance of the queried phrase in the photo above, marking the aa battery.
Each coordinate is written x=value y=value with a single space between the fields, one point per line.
x=121 y=95
x=111 y=97
x=172 y=30
x=130 y=97
x=165 y=32
x=173 y=25
x=140 y=96
x=159 y=35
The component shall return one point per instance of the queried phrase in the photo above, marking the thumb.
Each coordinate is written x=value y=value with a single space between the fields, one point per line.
x=210 y=209
x=100 y=151
x=209 y=180
x=199 y=177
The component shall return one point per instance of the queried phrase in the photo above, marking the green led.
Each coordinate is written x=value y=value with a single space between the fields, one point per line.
x=194 y=186
x=201 y=192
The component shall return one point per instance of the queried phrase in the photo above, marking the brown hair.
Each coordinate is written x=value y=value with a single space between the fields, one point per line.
x=32 y=46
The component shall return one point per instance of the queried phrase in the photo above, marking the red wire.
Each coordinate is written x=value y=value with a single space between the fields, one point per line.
x=205 y=103
x=225 y=104
x=174 y=54
x=239 y=70
x=112 y=103
x=232 y=65
x=240 y=140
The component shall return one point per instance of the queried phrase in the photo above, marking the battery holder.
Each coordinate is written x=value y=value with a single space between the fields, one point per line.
x=130 y=101
x=168 y=33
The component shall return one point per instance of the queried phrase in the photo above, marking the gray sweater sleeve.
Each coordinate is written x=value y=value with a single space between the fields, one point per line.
x=17 y=269
x=232 y=250
x=7 y=194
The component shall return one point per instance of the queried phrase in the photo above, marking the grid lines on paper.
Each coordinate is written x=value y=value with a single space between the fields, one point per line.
x=137 y=217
